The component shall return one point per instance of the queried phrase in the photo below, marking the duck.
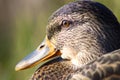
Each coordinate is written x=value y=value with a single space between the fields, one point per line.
x=82 y=42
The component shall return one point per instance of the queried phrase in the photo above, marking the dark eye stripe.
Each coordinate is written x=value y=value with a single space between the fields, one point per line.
x=52 y=30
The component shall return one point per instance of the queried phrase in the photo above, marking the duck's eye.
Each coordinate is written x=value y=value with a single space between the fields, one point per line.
x=66 y=23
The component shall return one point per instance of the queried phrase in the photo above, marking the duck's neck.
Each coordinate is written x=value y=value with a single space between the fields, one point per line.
x=81 y=57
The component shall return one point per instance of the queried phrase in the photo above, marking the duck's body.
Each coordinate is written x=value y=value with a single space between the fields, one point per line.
x=82 y=33
x=54 y=70
x=106 y=67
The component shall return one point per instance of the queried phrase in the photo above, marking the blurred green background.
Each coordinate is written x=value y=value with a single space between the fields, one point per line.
x=22 y=28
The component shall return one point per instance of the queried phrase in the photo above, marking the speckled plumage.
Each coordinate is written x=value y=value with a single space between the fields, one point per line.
x=54 y=70
x=91 y=21
x=106 y=67
x=86 y=44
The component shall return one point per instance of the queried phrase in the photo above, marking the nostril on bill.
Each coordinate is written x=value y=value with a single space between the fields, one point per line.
x=41 y=46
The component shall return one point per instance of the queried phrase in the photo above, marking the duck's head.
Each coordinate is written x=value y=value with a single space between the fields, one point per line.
x=80 y=32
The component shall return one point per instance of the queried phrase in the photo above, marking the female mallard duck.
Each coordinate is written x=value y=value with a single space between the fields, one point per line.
x=79 y=37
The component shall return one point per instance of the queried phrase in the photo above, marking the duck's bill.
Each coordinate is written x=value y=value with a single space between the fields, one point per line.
x=45 y=51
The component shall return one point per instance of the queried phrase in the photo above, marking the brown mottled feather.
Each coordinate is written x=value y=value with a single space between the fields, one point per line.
x=106 y=67
x=94 y=33
x=53 y=71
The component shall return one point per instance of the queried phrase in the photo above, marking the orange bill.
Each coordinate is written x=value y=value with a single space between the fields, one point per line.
x=44 y=52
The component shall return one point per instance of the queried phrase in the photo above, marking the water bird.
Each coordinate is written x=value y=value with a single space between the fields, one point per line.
x=82 y=43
